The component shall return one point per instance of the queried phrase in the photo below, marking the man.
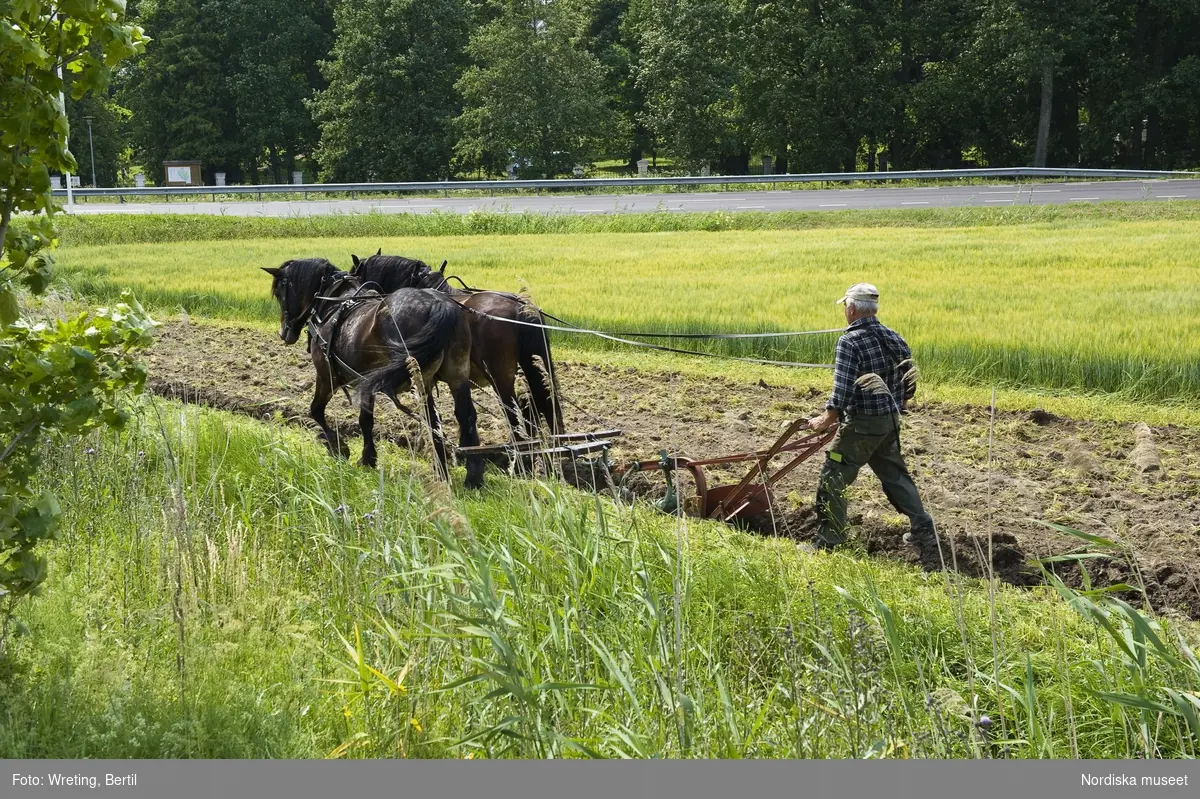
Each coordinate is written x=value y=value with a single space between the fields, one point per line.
x=872 y=382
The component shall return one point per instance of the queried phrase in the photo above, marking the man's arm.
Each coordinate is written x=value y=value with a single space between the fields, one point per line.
x=908 y=374
x=845 y=371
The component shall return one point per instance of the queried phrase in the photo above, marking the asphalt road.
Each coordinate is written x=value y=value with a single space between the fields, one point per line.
x=732 y=200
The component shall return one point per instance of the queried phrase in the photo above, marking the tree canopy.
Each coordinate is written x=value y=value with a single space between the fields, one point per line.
x=420 y=89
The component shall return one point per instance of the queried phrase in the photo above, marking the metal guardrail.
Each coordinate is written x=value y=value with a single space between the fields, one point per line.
x=589 y=183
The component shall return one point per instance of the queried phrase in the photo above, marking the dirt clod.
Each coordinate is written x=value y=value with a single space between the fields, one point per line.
x=1041 y=417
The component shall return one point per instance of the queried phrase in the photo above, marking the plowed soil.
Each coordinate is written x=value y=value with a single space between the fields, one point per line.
x=1073 y=472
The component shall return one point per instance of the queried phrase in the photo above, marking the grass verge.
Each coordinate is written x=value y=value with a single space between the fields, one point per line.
x=221 y=588
x=92 y=229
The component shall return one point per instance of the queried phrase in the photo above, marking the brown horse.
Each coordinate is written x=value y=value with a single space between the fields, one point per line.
x=503 y=333
x=361 y=338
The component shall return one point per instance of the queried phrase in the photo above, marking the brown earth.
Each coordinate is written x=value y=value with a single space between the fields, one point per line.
x=1077 y=473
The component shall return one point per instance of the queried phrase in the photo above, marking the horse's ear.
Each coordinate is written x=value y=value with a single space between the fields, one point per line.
x=443 y=269
x=380 y=252
x=354 y=258
x=273 y=271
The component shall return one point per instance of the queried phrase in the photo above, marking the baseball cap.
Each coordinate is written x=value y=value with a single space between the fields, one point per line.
x=860 y=291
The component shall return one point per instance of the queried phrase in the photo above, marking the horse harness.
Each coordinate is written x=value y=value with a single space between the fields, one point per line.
x=335 y=319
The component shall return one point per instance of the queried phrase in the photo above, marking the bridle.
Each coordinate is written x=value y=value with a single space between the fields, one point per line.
x=290 y=323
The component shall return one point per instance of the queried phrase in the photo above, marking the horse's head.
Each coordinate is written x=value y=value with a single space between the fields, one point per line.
x=295 y=286
x=392 y=272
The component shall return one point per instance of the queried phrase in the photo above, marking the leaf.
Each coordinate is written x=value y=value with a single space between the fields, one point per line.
x=1136 y=702
x=10 y=310
x=1076 y=557
x=1091 y=538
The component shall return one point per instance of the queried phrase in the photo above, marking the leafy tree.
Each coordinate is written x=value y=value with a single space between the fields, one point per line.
x=271 y=72
x=690 y=72
x=609 y=37
x=175 y=90
x=391 y=99
x=227 y=83
x=534 y=93
x=109 y=137
x=823 y=87
x=66 y=375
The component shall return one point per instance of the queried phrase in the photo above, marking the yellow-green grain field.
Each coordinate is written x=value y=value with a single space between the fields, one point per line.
x=1109 y=306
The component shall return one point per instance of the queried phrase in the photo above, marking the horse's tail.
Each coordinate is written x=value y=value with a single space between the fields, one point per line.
x=533 y=345
x=427 y=344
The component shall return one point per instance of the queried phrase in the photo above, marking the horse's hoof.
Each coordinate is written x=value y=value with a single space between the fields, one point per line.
x=474 y=483
x=369 y=464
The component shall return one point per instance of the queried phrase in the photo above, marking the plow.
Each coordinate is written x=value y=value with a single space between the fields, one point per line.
x=750 y=497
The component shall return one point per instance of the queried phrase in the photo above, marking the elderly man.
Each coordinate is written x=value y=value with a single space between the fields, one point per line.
x=872 y=382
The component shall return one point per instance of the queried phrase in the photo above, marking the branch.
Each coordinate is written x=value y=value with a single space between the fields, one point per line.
x=8 y=450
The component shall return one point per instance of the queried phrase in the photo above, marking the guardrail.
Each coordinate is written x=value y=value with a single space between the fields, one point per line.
x=589 y=183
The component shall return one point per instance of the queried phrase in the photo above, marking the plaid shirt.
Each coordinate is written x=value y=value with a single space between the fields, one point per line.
x=868 y=347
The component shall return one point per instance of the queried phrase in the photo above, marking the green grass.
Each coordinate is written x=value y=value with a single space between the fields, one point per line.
x=221 y=588
x=1090 y=302
x=160 y=228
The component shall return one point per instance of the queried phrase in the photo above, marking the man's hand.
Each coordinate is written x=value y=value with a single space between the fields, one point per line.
x=823 y=422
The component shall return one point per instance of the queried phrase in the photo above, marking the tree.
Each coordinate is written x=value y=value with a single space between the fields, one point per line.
x=108 y=140
x=534 y=92
x=175 y=90
x=823 y=86
x=609 y=38
x=690 y=74
x=65 y=376
x=273 y=48
x=391 y=99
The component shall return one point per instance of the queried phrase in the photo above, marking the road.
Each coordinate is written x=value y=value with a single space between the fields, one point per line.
x=757 y=200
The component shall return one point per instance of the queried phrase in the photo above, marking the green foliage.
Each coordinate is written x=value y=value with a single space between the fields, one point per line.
x=260 y=600
x=109 y=139
x=391 y=98
x=226 y=83
x=535 y=93
x=689 y=70
x=834 y=85
x=65 y=376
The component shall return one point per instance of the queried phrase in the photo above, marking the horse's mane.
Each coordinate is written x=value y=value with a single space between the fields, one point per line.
x=391 y=272
x=309 y=274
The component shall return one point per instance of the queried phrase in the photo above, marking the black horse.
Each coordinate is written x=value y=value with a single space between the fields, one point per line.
x=504 y=336
x=378 y=343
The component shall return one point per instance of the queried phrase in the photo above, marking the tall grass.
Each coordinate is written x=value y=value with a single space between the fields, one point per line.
x=1093 y=307
x=222 y=588
x=157 y=228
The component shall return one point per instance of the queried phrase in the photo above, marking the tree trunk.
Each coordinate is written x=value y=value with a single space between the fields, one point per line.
x=1043 y=134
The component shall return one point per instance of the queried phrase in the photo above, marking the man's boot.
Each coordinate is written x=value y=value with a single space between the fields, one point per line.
x=924 y=538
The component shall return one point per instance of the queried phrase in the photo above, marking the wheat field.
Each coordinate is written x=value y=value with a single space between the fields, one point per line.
x=1093 y=307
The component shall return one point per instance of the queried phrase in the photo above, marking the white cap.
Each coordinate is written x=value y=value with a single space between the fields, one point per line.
x=860 y=291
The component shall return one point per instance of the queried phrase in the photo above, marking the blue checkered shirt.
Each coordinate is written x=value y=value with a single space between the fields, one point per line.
x=868 y=347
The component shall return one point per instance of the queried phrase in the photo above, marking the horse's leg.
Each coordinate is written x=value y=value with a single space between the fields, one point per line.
x=468 y=433
x=321 y=396
x=504 y=382
x=439 y=437
x=366 y=424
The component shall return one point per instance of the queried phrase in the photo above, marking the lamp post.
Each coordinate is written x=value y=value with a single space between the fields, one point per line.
x=92 y=147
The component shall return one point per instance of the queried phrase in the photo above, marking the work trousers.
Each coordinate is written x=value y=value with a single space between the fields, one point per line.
x=868 y=441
